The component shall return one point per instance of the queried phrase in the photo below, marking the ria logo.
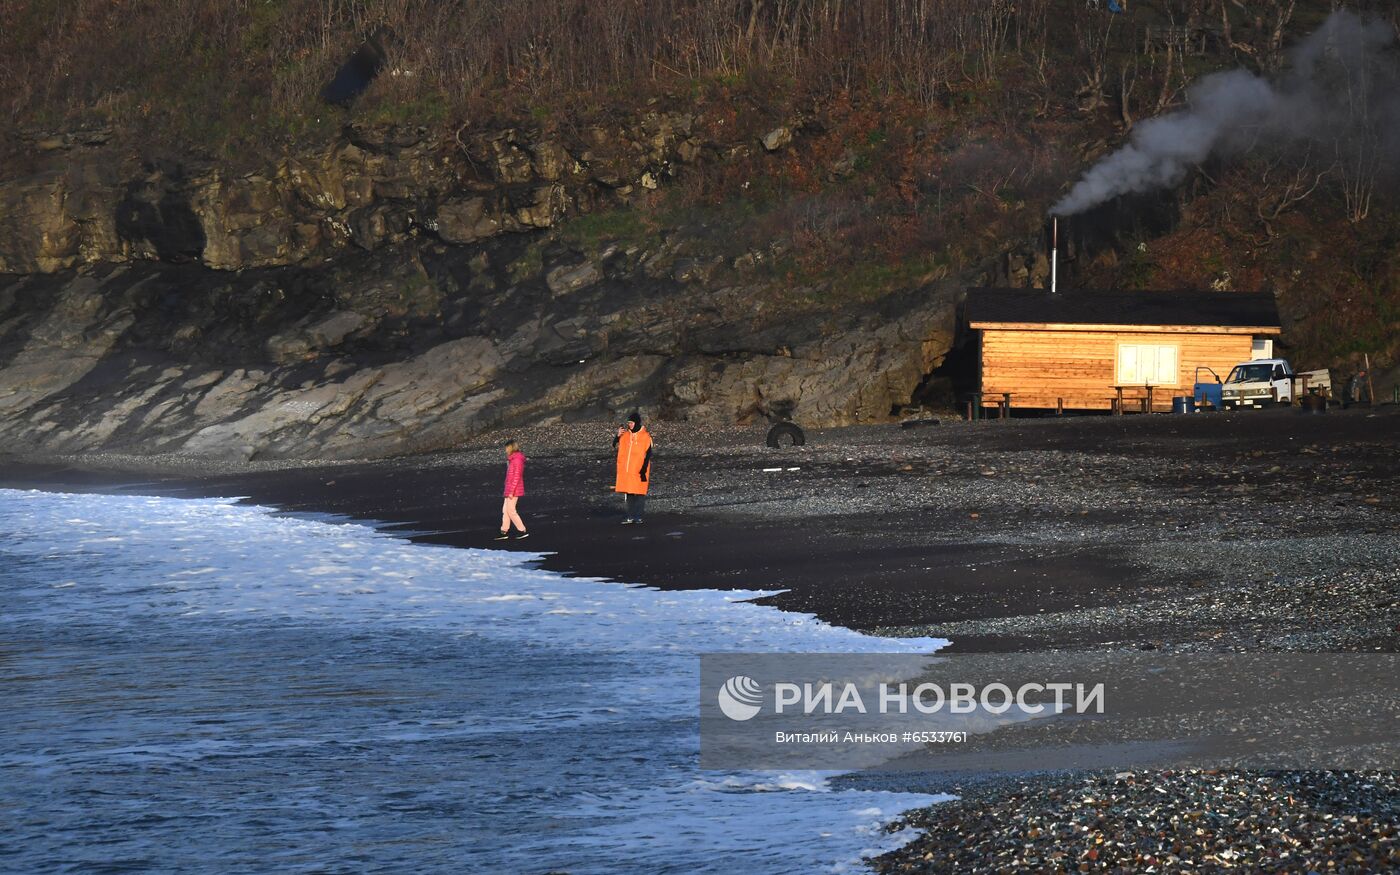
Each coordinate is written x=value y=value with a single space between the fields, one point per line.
x=740 y=698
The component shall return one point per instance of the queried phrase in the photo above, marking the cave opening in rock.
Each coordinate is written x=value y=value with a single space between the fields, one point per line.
x=943 y=387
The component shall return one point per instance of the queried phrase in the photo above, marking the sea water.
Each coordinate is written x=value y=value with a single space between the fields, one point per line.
x=200 y=684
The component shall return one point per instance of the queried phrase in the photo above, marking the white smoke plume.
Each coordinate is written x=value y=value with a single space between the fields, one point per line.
x=1340 y=83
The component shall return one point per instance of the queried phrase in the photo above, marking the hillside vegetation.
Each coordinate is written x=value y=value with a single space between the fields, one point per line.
x=927 y=136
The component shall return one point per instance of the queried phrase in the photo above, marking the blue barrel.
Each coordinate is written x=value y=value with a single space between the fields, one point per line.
x=1181 y=404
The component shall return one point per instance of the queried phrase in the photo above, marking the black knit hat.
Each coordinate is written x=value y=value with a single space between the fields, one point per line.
x=635 y=416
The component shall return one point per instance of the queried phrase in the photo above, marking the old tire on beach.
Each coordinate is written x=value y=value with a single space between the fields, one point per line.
x=785 y=434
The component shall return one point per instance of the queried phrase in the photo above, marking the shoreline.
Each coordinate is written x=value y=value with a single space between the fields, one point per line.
x=1241 y=532
x=1017 y=535
x=165 y=654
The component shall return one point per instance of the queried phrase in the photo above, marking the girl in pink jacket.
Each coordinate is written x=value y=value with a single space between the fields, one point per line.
x=515 y=487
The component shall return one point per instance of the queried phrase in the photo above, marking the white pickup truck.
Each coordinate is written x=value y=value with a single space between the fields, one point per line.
x=1266 y=382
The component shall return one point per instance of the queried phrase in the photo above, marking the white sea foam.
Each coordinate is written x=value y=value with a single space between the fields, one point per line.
x=625 y=655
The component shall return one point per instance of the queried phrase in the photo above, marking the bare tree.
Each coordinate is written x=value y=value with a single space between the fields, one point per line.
x=1093 y=40
x=1127 y=83
x=1360 y=134
x=1285 y=182
x=1267 y=20
x=1174 y=80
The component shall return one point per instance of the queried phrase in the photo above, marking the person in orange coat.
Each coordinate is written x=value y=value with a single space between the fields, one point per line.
x=633 y=466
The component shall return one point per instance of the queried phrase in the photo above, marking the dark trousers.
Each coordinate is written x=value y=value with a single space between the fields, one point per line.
x=636 y=504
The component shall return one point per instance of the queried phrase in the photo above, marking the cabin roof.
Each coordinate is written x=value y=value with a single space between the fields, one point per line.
x=1022 y=306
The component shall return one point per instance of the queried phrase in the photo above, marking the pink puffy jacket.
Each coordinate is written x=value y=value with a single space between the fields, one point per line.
x=515 y=475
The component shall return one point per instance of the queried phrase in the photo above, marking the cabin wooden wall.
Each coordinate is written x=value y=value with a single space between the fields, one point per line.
x=1039 y=366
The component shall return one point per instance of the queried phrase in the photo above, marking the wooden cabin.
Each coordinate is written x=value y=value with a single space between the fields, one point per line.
x=1082 y=350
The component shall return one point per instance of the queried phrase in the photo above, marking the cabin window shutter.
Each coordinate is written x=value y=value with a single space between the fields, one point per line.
x=1140 y=364
x=1127 y=364
x=1166 y=367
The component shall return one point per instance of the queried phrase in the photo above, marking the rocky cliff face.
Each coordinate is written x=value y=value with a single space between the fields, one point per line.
x=84 y=202
x=393 y=292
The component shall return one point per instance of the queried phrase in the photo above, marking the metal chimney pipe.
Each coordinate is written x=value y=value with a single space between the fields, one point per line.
x=1055 y=256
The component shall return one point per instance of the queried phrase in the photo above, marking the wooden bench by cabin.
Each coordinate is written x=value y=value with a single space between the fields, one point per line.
x=976 y=405
x=1146 y=402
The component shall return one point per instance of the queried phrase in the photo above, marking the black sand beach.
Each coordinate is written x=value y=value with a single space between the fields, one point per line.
x=1263 y=530
x=1255 y=532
